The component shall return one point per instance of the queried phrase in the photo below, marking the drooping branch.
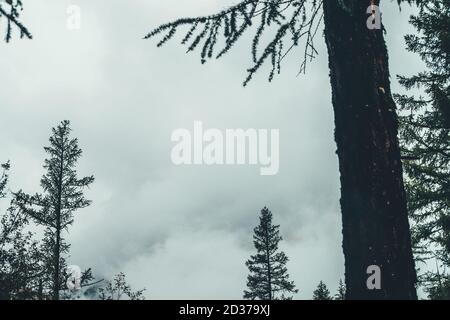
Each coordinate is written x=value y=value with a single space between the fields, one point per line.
x=287 y=20
x=11 y=11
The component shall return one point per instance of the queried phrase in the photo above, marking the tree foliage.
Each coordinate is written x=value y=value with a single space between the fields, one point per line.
x=63 y=194
x=440 y=288
x=425 y=137
x=286 y=21
x=10 y=11
x=119 y=289
x=268 y=278
x=322 y=292
x=340 y=294
x=4 y=178
x=32 y=267
x=20 y=255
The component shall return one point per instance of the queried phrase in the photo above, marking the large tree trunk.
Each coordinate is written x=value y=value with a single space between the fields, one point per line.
x=374 y=213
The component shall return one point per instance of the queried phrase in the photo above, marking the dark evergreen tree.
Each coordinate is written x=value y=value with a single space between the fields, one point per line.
x=322 y=292
x=437 y=285
x=373 y=201
x=440 y=289
x=10 y=11
x=4 y=179
x=119 y=289
x=20 y=257
x=54 y=208
x=268 y=278
x=340 y=294
x=425 y=137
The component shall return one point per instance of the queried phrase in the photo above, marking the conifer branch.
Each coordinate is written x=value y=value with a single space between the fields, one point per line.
x=12 y=14
x=289 y=21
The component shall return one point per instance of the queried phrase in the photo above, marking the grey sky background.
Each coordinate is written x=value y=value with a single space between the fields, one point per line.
x=179 y=231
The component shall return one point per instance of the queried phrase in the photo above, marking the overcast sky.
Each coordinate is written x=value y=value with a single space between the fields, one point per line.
x=179 y=231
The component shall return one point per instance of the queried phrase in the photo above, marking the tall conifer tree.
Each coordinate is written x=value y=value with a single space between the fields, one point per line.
x=268 y=278
x=340 y=294
x=425 y=137
x=62 y=195
x=322 y=292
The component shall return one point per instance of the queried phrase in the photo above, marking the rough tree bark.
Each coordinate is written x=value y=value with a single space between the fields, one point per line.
x=374 y=213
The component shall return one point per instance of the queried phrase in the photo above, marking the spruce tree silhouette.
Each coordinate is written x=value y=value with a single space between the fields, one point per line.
x=425 y=139
x=268 y=278
x=322 y=292
x=20 y=255
x=63 y=194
